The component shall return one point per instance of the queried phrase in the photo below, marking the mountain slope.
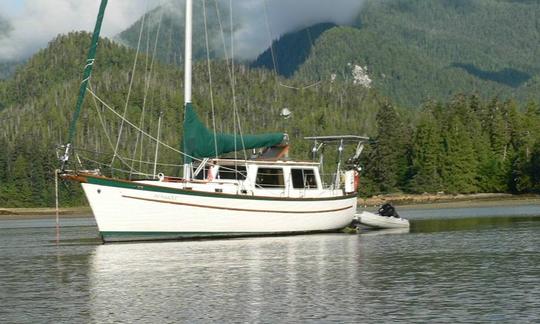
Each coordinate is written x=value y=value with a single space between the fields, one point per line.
x=291 y=50
x=492 y=34
x=168 y=19
x=407 y=75
x=36 y=106
x=415 y=50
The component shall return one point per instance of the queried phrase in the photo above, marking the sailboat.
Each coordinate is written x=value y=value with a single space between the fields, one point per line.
x=268 y=194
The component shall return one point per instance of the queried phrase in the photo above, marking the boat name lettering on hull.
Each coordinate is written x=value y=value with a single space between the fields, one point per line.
x=161 y=196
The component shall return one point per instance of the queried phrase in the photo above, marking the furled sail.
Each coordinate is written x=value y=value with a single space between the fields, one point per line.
x=199 y=140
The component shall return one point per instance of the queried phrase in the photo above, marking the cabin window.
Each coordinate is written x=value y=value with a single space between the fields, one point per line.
x=303 y=179
x=270 y=178
x=232 y=172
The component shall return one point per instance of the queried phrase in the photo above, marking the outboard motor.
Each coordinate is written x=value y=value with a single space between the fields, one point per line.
x=388 y=210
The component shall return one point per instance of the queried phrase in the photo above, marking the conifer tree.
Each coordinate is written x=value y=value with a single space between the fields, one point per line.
x=389 y=155
x=426 y=155
x=535 y=169
x=459 y=166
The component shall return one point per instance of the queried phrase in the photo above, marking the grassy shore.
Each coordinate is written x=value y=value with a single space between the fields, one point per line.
x=449 y=201
x=45 y=212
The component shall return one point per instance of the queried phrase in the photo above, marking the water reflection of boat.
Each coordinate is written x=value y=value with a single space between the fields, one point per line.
x=242 y=280
x=386 y=231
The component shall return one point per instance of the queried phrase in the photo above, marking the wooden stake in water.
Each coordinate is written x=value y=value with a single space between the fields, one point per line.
x=56 y=172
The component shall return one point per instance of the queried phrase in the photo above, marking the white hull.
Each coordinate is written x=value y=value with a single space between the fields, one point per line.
x=146 y=213
x=378 y=221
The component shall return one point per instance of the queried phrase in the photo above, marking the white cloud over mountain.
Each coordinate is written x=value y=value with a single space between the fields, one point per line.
x=39 y=21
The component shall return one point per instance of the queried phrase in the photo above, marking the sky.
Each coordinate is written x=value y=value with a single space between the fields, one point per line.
x=36 y=22
x=13 y=6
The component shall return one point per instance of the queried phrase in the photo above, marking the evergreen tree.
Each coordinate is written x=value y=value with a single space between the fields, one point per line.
x=524 y=139
x=20 y=182
x=459 y=166
x=389 y=154
x=426 y=155
x=535 y=169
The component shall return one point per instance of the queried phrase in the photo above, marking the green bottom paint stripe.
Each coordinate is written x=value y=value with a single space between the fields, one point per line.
x=143 y=234
x=146 y=236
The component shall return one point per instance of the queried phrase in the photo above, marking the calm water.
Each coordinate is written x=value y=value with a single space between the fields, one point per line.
x=456 y=265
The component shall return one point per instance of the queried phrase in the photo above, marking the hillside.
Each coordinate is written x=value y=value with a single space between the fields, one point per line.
x=39 y=100
x=462 y=145
x=166 y=22
x=291 y=50
x=414 y=50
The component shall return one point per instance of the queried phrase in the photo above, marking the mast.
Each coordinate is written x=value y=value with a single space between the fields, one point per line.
x=86 y=77
x=188 y=74
x=188 y=54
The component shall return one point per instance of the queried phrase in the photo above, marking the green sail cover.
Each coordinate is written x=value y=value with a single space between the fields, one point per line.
x=199 y=140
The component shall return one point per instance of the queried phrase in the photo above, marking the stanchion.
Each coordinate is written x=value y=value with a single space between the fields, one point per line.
x=56 y=172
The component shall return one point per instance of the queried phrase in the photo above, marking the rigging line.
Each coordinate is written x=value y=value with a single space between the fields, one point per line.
x=130 y=87
x=231 y=75
x=222 y=37
x=154 y=55
x=148 y=79
x=230 y=70
x=233 y=85
x=147 y=51
x=300 y=88
x=312 y=47
x=127 y=159
x=210 y=77
x=274 y=56
x=140 y=130
x=169 y=59
x=146 y=58
x=269 y=30
x=103 y=125
x=232 y=80
x=111 y=167
x=160 y=164
x=311 y=42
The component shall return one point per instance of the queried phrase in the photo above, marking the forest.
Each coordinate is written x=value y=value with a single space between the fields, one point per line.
x=465 y=144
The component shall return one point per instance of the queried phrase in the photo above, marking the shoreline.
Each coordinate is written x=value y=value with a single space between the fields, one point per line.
x=44 y=212
x=402 y=201
x=409 y=201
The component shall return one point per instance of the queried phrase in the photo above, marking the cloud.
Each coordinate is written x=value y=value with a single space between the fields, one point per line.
x=285 y=16
x=39 y=21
